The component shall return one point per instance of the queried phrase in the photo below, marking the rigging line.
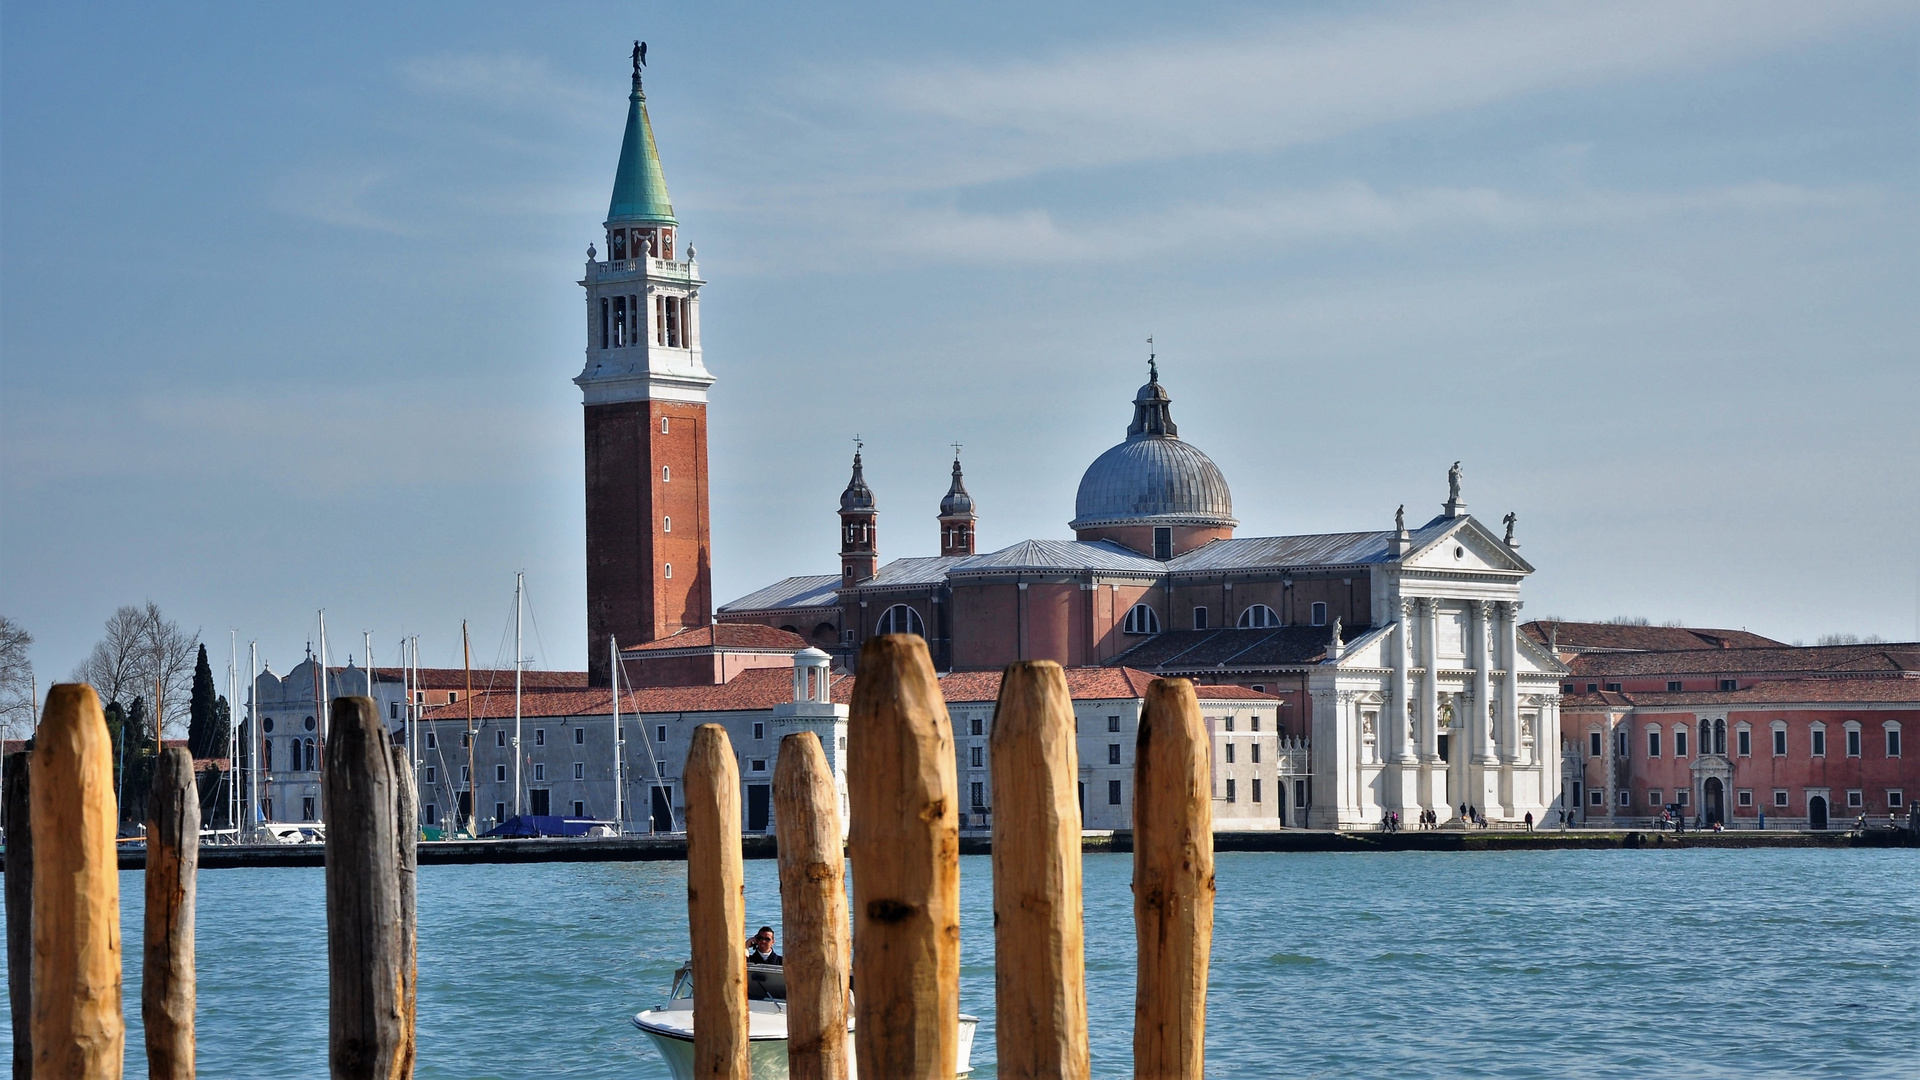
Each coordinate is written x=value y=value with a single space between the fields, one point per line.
x=652 y=754
x=534 y=618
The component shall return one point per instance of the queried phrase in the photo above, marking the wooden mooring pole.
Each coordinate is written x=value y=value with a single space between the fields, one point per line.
x=905 y=844
x=19 y=911
x=407 y=863
x=1040 y=1020
x=716 y=911
x=813 y=909
x=173 y=860
x=1172 y=883
x=78 y=1030
x=366 y=990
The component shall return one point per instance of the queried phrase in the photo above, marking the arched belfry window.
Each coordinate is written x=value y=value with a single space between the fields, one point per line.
x=1141 y=620
x=1259 y=616
x=901 y=619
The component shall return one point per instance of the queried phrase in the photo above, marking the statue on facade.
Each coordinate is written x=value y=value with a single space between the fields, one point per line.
x=1510 y=519
x=1453 y=483
x=1400 y=519
x=1336 y=631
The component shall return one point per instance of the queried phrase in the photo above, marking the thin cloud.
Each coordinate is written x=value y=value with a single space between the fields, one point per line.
x=506 y=82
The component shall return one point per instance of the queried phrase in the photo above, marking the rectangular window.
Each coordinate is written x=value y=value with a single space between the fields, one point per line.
x=306 y=808
x=759 y=764
x=579 y=770
x=1229 y=721
x=759 y=731
x=1113 y=753
x=1162 y=543
x=1673 y=686
x=1253 y=724
x=1779 y=742
x=1895 y=798
x=499 y=811
x=579 y=808
x=1113 y=793
x=1593 y=744
x=1819 y=743
x=1229 y=753
x=433 y=741
x=974 y=725
x=1319 y=614
x=1256 y=757
x=1613 y=687
x=1855 y=800
x=1621 y=750
x=1746 y=797
x=1256 y=789
x=466 y=739
x=1299 y=794
x=1596 y=796
x=433 y=814
x=1744 y=740
x=393 y=710
x=1653 y=799
x=978 y=791
x=540 y=771
x=1113 y=723
x=1626 y=797
x=605 y=323
x=1779 y=797
x=1230 y=789
x=453 y=696
x=431 y=773
x=1729 y=684
x=976 y=757
x=500 y=737
x=1680 y=797
x=660 y=733
x=1853 y=743
x=539 y=736
x=1199 y=618
x=579 y=736
x=1679 y=742
x=1893 y=742
x=1653 y=744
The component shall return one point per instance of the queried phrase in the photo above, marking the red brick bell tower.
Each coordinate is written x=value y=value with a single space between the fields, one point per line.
x=644 y=391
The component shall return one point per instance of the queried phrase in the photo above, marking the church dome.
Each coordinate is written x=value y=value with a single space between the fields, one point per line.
x=1153 y=478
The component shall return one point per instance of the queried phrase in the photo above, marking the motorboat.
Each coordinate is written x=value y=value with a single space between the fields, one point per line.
x=670 y=1026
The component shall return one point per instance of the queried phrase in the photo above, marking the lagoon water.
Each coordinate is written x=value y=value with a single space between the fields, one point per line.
x=1523 y=964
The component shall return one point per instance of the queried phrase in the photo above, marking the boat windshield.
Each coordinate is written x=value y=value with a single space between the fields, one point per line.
x=765 y=982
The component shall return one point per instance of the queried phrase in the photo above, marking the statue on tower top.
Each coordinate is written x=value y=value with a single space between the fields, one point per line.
x=639 y=61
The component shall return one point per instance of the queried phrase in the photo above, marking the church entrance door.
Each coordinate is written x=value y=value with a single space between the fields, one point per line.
x=1817 y=812
x=1715 y=798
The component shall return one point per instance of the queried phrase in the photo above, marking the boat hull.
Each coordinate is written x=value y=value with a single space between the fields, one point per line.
x=671 y=1031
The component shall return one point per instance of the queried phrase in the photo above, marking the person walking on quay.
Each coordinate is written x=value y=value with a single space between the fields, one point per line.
x=1763 y=820
x=1529 y=821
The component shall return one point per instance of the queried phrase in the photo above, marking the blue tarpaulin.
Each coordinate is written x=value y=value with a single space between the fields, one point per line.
x=528 y=825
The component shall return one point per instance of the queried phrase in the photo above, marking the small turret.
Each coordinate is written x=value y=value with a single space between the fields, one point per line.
x=859 y=535
x=956 y=516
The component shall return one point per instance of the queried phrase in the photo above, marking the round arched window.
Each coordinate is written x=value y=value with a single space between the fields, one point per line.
x=1141 y=620
x=901 y=619
x=1258 y=617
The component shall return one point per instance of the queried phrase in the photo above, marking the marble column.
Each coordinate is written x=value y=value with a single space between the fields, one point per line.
x=1395 y=717
x=1510 y=749
x=1429 y=708
x=1479 y=656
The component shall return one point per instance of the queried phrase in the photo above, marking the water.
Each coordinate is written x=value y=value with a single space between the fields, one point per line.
x=1557 y=963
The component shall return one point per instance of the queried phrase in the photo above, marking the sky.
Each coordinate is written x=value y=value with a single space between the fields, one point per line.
x=289 y=313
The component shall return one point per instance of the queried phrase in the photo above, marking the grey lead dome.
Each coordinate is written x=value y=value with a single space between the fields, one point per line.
x=1153 y=478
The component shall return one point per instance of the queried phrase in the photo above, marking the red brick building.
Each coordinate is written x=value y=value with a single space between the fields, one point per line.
x=1811 y=737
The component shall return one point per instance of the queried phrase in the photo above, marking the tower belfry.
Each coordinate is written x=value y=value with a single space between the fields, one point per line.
x=644 y=394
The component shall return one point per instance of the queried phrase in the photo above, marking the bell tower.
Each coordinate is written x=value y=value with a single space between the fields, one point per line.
x=859 y=528
x=644 y=397
x=956 y=515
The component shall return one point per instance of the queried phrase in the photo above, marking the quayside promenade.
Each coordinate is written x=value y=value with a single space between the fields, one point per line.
x=674 y=848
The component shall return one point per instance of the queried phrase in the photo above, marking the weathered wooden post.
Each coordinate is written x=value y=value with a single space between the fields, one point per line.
x=19 y=911
x=408 y=864
x=366 y=995
x=1172 y=883
x=1040 y=980
x=905 y=843
x=813 y=909
x=78 y=1030
x=173 y=860
x=716 y=911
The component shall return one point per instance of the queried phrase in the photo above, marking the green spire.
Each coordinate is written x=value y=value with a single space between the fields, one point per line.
x=639 y=187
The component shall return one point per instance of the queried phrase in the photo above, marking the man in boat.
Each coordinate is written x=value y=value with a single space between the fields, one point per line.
x=760 y=948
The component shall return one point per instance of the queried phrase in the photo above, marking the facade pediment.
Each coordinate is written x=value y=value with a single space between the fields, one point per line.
x=1468 y=547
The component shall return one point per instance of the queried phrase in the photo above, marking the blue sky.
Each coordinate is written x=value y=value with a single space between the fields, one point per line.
x=288 y=313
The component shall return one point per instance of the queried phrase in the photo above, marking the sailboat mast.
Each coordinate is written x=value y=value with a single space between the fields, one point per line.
x=466 y=661
x=233 y=733
x=325 y=701
x=253 y=737
x=414 y=757
x=619 y=788
x=519 y=582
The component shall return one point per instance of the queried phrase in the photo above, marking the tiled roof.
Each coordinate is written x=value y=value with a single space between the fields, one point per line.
x=1891 y=659
x=1284 y=646
x=1056 y=555
x=485 y=678
x=922 y=570
x=1615 y=637
x=1777 y=692
x=1084 y=684
x=756 y=689
x=725 y=636
x=806 y=591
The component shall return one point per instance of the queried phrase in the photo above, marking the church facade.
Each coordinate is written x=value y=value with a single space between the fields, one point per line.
x=1395 y=654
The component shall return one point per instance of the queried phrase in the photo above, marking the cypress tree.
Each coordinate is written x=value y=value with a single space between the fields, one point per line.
x=200 y=720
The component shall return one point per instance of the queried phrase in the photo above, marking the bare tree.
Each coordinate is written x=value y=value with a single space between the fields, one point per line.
x=144 y=655
x=16 y=680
